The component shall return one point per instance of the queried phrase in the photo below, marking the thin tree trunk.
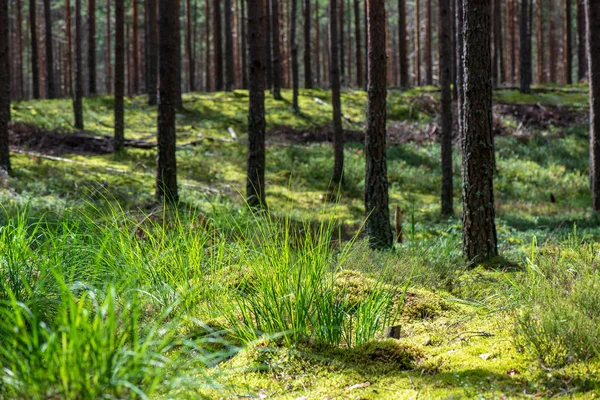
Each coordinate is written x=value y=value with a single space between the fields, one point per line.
x=188 y=47
x=152 y=54
x=208 y=76
x=255 y=186
x=108 y=49
x=552 y=41
x=402 y=44
x=218 y=46
x=445 y=48
x=4 y=86
x=568 y=44
x=92 y=47
x=593 y=35
x=294 y=49
x=460 y=66
x=541 y=62
x=418 y=42
x=35 y=73
x=268 y=44
x=78 y=98
x=308 y=78
x=582 y=61
x=479 y=230
x=428 y=53
x=135 y=41
x=19 y=72
x=357 y=33
x=244 y=47
x=229 y=60
x=334 y=78
x=318 y=43
x=525 y=48
x=119 y=139
x=169 y=39
x=513 y=40
x=276 y=51
x=50 y=83
x=498 y=43
x=342 y=66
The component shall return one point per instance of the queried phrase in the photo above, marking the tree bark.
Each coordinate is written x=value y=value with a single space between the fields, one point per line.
x=275 y=50
x=294 y=50
x=498 y=62
x=593 y=36
x=513 y=40
x=78 y=98
x=402 y=44
x=218 y=46
x=166 y=163
x=267 y=35
x=35 y=73
x=317 y=44
x=582 y=61
x=4 y=86
x=207 y=73
x=341 y=52
x=378 y=226
x=244 y=47
x=50 y=82
x=308 y=78
x=119 y=140
x=541 y=62
x=418 y=42
x=334 y=79
x=152 y=54
x=568 y=44
x=445 y=49
x=255 y=186
x=188 y=47
x=525 y=48
x=135 y=42
x=92 y=47
x=460 y=66
x=428 y=53
x=108 y=49
x=360 y=74
x=229 y=60
x=479 y=230
x=553 y=59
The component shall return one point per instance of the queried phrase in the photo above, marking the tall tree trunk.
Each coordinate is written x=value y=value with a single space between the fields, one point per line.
x=498 y=44
x=92 y=47
x=418 y=42
x=460 y=66
x=4 y=86
x=308 y=76
x=255 y=186
x=108 y=49
x=19 y=72
x=69 y=52
x=218 y=46
x=593 y=35
x=268 y=44
x=229 y=61
x=479 y=230
x=244 y=47
x=188 y=47
x=445 y=49
x=582 y=61
x=207 y=66
x=360 y=75
x=428 y=53
x=135 y=42
x=402 y=44
x=294 y=49
x=568 y=44
x=513 y=40
x=525 y=48
x=454 y=49
x=78 y=98
x=378 y=226
x=541 y=62
x=166 y=162
x=119 y=140
x=50 y=83
x=152 y=54
x=552 y=42
x=276 y=51
x=334 y=78
x=317 y=44
x=342 y=66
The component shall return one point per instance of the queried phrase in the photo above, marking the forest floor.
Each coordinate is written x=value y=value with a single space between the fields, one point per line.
x=523 y=325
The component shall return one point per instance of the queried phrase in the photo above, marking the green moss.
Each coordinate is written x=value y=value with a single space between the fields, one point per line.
x=422 y=304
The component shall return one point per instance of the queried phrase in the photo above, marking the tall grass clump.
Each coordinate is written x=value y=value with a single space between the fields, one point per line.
x=558 y=303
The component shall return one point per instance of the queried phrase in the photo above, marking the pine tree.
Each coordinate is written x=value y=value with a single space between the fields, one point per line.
x=334 y=79
x=35 y=73
x=294 y=49
x=50 y=82
x=152 y=88
x=229 y=60
x=275 y=51
x=593 y=35
x=308 y=78
x=92 y=47
x=78 y=95
x=360 y=75
x=402 y=44
x=4 y=86
x=446 y=102
x=119 y=140
x=217 y=46
x=525 y=48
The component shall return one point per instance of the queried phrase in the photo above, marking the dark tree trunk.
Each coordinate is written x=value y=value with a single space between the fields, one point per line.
x=166 y=162
x=20 y=80
x=308 y=79
x=229 y=60
x=581 y=41
x=568 y=44
x=152 y=54
x=454 y=50
x=78 y=98
x=189 y=48
x=360 y=75
x=119 y=139
x=342 y=67
x=593 y=35
x=244 y=47
x=294 y=49
x=541 y=62
x=50 y=82
x=479 y=230
x=207 y=73
x=134 y=38
x=525 y=48
x=178 y=63
x=92 y=47
x=513 y=40
x=402 y=44
x=317 y=44
x=35 y=73
x=334 y=78
x=218 y=46
x=378 y=226
x=498 y=61
x=428 y=53
x=276 y=51
x=255 y=187
x=108 y=49
x=267 y=35
x=4 y=86
x=445 y=48
x=553 y=51
x=460 y=65
x=418 y=42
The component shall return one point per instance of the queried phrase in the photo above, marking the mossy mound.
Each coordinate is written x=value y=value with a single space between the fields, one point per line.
x=352 y=287
x=389 y=353
x=240 y=278
x=422 y=304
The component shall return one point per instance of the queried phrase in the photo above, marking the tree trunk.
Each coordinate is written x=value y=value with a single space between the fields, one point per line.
x=244 y=47
x=479 y=230
x=552 y=42
x=4 y=86
x=188 y=47
x=541 y=62
x=341 y=52
x=460 y=66
x=428 y=53
x=317 y=44
x=152 y=54
x=35 y=73
x=498 y=44
x=402 y=44
x=275 y=50
x=378 y=226
x=207 y=73
x=418 y=42
x=445 y=48
x=582 y=61
x=294 y=49
x=78 y=98
x=92 y=47
x=513 y=40
x=229 y=61
x=267 y=35
x=360 y=74
x=218 y=46
x=308 y=76
x=119 y=140
x=108 y=49
x=135 y=40
x=50 y=83
x=166 y=163
x=568 y=44
x=593 y=35
x=255 y=186
x=334 y=78
x=525 y=48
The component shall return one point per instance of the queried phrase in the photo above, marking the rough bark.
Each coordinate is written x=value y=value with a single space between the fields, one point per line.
x=152 y=54
x=360 y=74
x=342 y=66
x=4 y=86
x=50 y=81
x=166 y=162
x=275 y=50
x=92 y=47
x=255 y=186
x=119 y=140
x=460 y=66
x=428 y=46
x=78 y=96
x=244 y=47
x=582 y=61
x=525 y=48
x=402 y=44
x=445 y=49
x=568 y=44
x=229 y=60
x=479 y=230
x=217 y=46
x=334 y=79
x=593 y=35
x=294 y=50
x=378 y=226
x=541 y=62
x=35 y=73
x=308 y=78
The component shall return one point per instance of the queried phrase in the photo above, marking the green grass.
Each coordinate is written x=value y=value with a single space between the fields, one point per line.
x=212 y=301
